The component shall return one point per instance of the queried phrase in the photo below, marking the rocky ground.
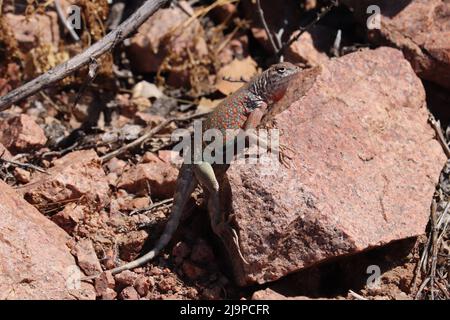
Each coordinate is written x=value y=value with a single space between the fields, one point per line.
x=359 y=210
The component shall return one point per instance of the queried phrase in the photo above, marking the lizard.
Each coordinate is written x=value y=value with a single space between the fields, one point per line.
x=242 y=110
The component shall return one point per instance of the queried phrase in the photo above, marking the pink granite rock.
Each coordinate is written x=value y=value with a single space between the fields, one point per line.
x=164 y=34
x=153 y=176
x=76 y=176
x=4 y=153
x=363 y=169
x=420 y=28
x=312 y=47
x=86 y=257
x=21 y=133
x=35 y=262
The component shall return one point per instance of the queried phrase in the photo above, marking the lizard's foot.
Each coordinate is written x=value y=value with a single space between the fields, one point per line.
x=222 y=228
x=229 y=234
x=237 y=245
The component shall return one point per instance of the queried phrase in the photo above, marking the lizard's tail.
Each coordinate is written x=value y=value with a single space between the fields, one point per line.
x=186 y=184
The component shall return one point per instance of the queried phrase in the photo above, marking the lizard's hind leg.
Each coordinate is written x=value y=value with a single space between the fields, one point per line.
x=204 y=173
x=221 y=227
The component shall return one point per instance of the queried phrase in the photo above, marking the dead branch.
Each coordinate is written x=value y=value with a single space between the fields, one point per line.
x=146 y=136
x=22 y=165
x=266 y=27
x=96 y=50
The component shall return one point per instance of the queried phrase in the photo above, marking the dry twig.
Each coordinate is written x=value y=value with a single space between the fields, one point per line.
x=96 y=50
x=153 y=206
x=22 y=165
x=145 y=137
x=266 y=27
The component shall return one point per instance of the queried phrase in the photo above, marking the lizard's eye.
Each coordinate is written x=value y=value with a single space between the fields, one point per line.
x=281 y=70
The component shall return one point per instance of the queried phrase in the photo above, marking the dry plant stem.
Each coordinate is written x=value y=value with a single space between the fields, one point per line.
x=147 y=136
x=266 y=27
x=424 y=284
x=92 y=73
x=434 y=247
x=335 y=51
x=356 y=296
x=153 y=206
x=96 y=50
x=443 y=289
x=23 y=165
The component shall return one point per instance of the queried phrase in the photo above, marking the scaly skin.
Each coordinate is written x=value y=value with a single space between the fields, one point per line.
x=241 y=110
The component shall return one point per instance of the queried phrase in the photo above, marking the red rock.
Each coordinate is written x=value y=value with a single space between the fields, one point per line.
x=129 y=293
x=108 y=294
x=420 y=28
x=35 y=29
x=361 y=142
x=159 y=176
x=127 y=202
x=21 y=133
x=104 y=282
x=142 y=103
x=4 y=153
x=76 y=175
x=69 y=217
x=109 y=259
x=142 y=285
x=116 y=165
x=131 y=244
x=148 y=119
x=170 y=156
x=150 y=157
x=22 y=175
x=124 y=103
x=312 y=47
x=191 y=293
x=126 y=278
x=163 y=34
x=139 y=203
x=34 y=258
x=237 y=48
x=167 y=284
x=11 y=77
x=81 y=112
x=86 y=257
x=202 y=252
x=192 y=271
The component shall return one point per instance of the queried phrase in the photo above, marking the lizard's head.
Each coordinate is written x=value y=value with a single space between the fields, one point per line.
x=273 y=82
